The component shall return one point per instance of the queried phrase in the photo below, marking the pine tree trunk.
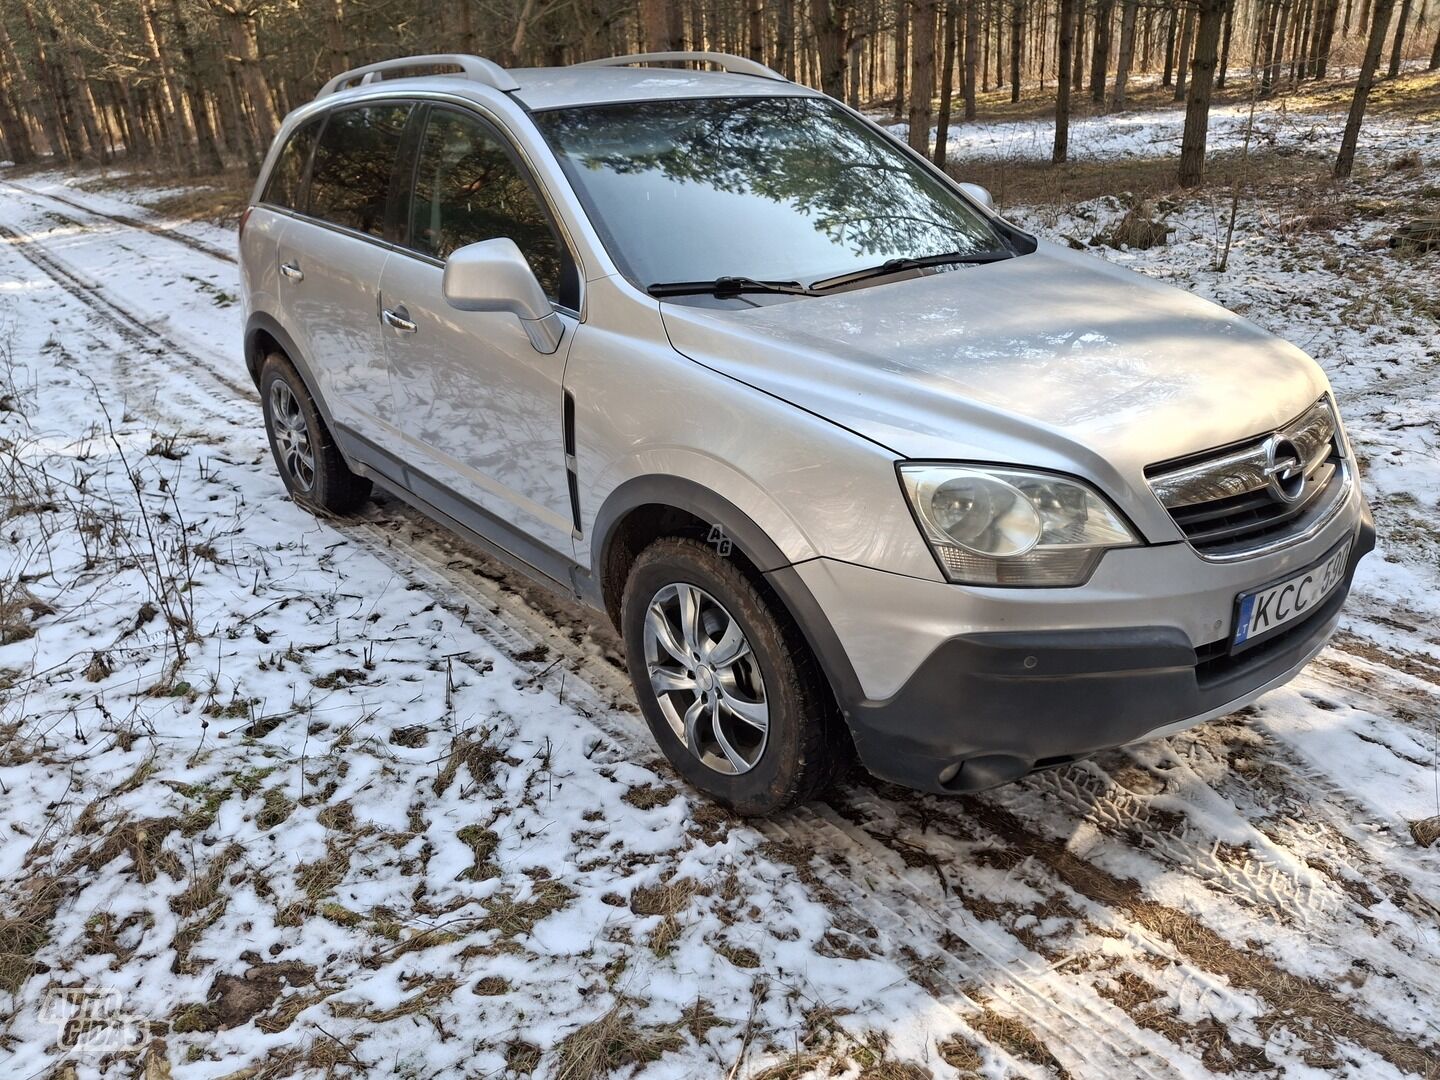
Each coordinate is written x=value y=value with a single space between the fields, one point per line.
x=1068 y=17
x=786 y=33
x=21 y=95
x=922 y=74
x=1435 y=54
x=755 y=18
x=335 y=34
x=947 y=80
x=1127 y=51
x=1197 y=105
x=1100 y=51
x=1077 y=54
x=173 y=117
x=1345 y=163
x=972 y=49
x=1325 y=39
x=902 y=55
x=55 y=96
x=827 y=18
x=655 y=22
x=1230 y=6
x=207 y=152
x=1017 y=17
x=245 y=48
x=1396 y=50
x=1182 y=62
x=1172 y=28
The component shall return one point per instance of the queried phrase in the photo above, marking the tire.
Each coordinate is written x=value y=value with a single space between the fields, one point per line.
x=803 y=745
x=306 y=456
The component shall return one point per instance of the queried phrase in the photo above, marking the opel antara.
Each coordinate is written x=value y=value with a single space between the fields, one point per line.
x=855 y=465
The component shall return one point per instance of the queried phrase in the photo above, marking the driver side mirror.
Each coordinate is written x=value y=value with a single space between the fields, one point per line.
x=494 y=275
x=980 y=195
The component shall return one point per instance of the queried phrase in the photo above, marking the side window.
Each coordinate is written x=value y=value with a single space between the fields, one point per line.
x=287 y=178
x=468 y=189
x=350 y=180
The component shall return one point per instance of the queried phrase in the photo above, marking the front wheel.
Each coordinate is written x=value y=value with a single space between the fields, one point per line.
x=726 y=682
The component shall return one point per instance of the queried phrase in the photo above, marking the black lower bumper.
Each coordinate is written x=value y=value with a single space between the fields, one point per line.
x=984 y=709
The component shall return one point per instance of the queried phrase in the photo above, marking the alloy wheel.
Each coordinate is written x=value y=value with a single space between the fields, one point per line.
x=292 y=436
x=706 y=678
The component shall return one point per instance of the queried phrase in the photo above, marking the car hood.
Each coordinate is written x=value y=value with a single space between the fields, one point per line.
x=1053 y=359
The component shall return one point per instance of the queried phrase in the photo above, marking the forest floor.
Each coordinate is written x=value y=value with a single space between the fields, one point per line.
x=283 y=796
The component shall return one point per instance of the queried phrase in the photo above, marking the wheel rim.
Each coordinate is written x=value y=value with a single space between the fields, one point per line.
x=292 y=436
x=706 y=679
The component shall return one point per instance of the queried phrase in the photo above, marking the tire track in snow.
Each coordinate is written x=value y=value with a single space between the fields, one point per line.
x=133 y=329
x=151 y=227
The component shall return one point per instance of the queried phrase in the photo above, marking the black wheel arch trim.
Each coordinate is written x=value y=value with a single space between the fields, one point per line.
x=741 y=530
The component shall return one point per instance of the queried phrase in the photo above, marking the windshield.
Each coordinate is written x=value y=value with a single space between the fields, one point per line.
x=782 y=188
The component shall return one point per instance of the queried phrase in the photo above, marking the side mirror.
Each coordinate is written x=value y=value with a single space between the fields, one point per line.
x=493 y=275
x=980 y=195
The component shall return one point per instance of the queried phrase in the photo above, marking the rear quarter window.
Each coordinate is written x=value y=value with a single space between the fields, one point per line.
x=354 y=160
x=286 y=186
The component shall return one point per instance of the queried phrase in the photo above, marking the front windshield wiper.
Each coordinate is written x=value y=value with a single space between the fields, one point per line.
x=725 y=286
x=915 y=262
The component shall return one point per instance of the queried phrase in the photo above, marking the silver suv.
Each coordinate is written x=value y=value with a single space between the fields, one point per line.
x=852 y=462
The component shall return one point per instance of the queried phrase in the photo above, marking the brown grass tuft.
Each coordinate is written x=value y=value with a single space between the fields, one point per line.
x=611 y=1042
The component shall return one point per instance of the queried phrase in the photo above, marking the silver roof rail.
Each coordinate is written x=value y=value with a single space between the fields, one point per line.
x=474 y=68
x=736 y=65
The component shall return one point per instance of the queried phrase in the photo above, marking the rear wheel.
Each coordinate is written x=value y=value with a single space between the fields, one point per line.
x=726 y=683
x=305 y=453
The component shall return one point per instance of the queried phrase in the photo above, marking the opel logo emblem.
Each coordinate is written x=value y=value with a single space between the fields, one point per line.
x=1284 y=470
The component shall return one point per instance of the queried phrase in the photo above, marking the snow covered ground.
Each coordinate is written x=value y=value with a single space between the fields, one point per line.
x=288 y=797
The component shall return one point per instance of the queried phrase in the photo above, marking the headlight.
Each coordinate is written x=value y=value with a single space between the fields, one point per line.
x=996 y=526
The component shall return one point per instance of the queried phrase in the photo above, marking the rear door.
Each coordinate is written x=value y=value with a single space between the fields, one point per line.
x=480 y=409
x=331 y=258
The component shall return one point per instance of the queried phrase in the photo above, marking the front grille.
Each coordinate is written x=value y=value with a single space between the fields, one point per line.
x=1257 y=495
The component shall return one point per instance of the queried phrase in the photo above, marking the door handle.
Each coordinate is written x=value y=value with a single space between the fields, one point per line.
x=293 y=272
x=397 y=319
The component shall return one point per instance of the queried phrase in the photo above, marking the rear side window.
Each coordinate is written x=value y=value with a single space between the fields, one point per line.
x=468 y=189
x=350 y=180
x=287 y=180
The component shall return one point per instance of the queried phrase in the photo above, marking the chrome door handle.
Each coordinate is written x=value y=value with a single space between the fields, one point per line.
x=293 y=272
x=397 y=320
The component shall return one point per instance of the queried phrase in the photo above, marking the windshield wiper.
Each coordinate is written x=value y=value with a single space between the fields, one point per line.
x=725 y=286
x=916 y=262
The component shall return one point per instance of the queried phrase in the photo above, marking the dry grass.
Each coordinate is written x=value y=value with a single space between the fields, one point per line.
x=1017 y=1040
x=1426 y=831
x=26 y=930
x=613 y=1041
x=668 y=898
x=512 y=918
x=477 y=752
x=962 y=1056
x=19 y=608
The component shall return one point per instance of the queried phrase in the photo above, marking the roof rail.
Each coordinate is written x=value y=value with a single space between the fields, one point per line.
x=736 y=65
x=474 y=68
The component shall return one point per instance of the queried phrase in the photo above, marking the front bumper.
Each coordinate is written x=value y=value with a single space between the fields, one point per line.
x=989 y=703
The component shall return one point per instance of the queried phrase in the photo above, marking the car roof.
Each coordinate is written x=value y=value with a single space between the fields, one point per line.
x=556 y=87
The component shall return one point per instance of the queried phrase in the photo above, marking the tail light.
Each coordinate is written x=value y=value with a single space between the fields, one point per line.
x=244 y=217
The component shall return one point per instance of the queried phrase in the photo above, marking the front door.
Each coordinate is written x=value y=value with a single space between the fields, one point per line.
x=480 y=409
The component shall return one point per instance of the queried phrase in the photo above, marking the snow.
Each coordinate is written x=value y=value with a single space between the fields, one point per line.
x=355 y=763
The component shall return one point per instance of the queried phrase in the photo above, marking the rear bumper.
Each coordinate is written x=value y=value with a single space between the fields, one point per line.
x=987 y=707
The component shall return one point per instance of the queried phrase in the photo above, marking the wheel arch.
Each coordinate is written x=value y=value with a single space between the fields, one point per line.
x=264 y=335
x=647 y=508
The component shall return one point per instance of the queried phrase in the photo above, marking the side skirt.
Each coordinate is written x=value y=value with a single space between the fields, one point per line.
x=475 y=524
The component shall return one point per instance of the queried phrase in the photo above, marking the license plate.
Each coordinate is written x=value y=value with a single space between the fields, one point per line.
x=1264 y=611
